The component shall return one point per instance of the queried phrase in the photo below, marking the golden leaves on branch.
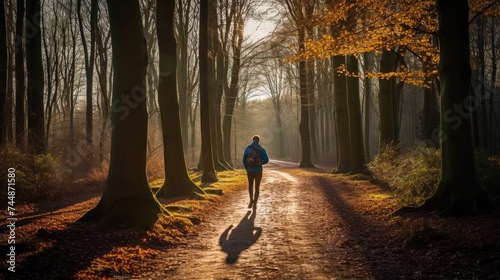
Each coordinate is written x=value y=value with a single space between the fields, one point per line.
x=415 y=77
x=488 y=8
x=378 y=25
x=362 y=26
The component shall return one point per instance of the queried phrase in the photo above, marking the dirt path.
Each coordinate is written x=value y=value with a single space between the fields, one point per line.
x=313 y=226
x=293 y=234
x=308 y=225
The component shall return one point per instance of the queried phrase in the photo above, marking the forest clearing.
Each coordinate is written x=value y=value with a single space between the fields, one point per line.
x=313 y=226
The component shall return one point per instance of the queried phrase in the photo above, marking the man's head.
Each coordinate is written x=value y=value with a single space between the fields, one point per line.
x=256 y=138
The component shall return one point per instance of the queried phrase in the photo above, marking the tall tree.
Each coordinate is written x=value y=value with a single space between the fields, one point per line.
x=340 y=108
x=297 y=9
x=355 y=126
x=341 y=116
x=20 y=79
x=3 y=72
x=387 y=134
x=216 y=76
x=367 y=57
x=493 y=82
x=89 y=62
x=209 y=173
x=183 y=32
x=70 y=77
x=232 y=91
x=34 y=69
x=353 y=104
x=127 y=197
x=187 y=73
x=9 y=98
x=102 y=46
x=177 y=181
x=459 y=191
x=52 y=65
x=311 y=88
x=484 y=136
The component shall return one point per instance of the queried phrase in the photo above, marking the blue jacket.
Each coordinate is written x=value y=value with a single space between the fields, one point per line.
x=265 y=158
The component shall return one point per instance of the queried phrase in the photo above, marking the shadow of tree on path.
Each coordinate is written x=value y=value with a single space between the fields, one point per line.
x=235 y=240
x=366 y=242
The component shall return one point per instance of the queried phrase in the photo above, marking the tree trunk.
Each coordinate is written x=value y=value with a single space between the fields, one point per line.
x=494 y=62
x=51 y=64
x=221 y=164
x=367 y=103
x=484 y=134
x=72 y=83
x=102 y=45
x=311 y=100
x=89 y=63
x=209 y=173
x=355 y=123
x=192 y=122
x=233 y=88
x=182 y=76
x=430 y=112
x=177 y=181
x=215 y=77
x=20 y=79
x=341 y=116
x=459 y=192
x=9 y=100
x=305 y=136
x=397 y=101
x=386 y=107
x=3 y=73
x=127 y=199
x=34 y=67
x=426 y=109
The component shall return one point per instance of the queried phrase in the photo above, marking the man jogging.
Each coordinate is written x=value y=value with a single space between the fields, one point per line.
x=253 y=159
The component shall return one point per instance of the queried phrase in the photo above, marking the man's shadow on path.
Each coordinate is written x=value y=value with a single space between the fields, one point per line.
x=240 y=238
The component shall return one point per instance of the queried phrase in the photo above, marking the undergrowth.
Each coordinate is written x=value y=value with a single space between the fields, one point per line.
x=414 y=175
x=35 y=175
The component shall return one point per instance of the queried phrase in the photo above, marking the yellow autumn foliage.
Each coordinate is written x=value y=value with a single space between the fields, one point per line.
x=363 y=26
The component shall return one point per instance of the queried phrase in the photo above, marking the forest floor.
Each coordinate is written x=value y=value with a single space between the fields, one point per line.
x=308 y=224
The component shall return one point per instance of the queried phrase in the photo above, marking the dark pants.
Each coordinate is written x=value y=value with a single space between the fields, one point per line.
x=254 y=177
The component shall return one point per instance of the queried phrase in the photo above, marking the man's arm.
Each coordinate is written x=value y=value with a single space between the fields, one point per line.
x=265 y=158
x=245 y=156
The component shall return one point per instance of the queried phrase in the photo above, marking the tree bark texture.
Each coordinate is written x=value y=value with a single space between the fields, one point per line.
x=305 y=136
x=459 y=192
x=35 y=73
x=209 y=173
x=3 y=73
x=387 y=122
x=20 y=77
x=355 y=122
x=341 y=116
x=177 y=180
x=127 y=198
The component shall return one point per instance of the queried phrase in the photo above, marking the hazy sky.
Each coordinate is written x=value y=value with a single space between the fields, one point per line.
x=258 y=29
